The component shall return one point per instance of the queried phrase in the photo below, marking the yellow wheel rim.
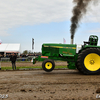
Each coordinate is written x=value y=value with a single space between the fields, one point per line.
x=92 y=62
x=48 y=65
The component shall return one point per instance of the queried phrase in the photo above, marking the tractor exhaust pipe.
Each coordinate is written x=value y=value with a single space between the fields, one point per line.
x=72 y=40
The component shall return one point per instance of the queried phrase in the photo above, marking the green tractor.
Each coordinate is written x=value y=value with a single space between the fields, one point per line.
x=85 y=58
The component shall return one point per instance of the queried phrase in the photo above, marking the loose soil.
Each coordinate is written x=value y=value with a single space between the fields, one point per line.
x=56 y=85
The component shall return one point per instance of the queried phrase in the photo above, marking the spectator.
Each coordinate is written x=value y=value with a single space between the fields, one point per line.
x=13 y=58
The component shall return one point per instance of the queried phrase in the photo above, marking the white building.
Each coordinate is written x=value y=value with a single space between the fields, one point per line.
x=9 y=48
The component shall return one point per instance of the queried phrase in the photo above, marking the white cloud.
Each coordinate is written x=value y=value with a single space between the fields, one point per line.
x=94 y=31
x=29 y=12
x=93 y=14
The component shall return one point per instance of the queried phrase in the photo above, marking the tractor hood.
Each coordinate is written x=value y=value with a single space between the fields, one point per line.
x=51 y=49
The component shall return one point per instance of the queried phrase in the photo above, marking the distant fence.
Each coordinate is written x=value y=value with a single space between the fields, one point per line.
x=18 y=59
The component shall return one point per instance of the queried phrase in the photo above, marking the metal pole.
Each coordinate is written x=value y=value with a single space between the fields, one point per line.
x=0 y=63
x=71 y=41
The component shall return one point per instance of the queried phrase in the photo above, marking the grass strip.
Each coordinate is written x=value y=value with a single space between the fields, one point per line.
x=35 y=67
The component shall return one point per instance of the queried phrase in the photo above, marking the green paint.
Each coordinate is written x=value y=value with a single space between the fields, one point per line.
x=56 y=49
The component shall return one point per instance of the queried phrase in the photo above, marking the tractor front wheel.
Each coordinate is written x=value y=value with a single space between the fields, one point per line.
x=88 y=61
x=48 y=65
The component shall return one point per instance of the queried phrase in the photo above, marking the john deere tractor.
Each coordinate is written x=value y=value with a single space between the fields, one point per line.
x=85 y=58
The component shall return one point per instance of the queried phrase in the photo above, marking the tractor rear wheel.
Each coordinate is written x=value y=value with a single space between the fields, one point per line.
x=88 y=61
x=48 y=65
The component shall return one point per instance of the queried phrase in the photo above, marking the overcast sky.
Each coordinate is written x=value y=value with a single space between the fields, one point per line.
x=47 y=21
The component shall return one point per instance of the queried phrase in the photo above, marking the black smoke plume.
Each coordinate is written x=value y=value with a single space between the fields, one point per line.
x=78 y=11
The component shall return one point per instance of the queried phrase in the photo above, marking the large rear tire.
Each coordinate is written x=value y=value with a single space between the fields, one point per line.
x=88 y=61
x=48 y=65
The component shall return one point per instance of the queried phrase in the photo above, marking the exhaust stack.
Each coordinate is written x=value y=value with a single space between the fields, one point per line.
x=71 y=41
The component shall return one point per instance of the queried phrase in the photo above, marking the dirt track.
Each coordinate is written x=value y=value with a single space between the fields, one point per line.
x=56 y=85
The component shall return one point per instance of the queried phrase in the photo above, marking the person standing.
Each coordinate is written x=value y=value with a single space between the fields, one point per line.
x=13 y=58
